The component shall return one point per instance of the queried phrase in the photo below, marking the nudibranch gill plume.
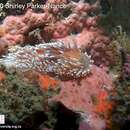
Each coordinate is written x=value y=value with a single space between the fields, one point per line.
x=54 y=59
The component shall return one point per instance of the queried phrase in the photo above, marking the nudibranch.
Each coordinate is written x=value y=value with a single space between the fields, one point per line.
x=54 y=58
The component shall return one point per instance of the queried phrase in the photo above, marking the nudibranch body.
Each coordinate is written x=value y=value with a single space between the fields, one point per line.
x=54 y=59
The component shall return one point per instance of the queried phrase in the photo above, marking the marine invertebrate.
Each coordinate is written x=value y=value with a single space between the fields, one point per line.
x=46 y=82
x=19 y=99
x=126 y=67
x=121 y=39
x=54 y=59
x=122 y=46
x=121 y=97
